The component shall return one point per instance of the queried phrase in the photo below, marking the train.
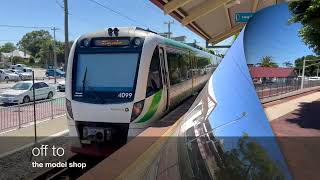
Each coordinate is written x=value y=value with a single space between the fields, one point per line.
x=121 y=79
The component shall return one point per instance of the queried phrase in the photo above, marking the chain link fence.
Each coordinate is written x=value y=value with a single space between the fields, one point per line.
x=12 y=117
x=278 y=88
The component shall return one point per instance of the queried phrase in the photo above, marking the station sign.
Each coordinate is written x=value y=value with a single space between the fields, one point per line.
x=243 y=17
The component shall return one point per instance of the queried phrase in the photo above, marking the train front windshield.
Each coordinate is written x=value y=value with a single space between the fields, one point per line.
x=105 y=78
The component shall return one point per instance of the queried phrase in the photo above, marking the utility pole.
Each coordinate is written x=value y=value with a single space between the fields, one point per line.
x=169 y=27
x=54 y=54
x=66 y=35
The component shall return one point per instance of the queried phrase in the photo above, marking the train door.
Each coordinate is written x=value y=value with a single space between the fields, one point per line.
x=165 y=77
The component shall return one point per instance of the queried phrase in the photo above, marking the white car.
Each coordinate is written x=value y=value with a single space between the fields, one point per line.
x=18 y=66
x=22 y=74
x=7 y=75
x=315 y=78
x=61 y=85
x=22 y=92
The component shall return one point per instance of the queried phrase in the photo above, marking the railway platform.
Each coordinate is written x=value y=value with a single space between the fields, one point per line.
x=136 y=159
x=296 y=124
x=19 y=139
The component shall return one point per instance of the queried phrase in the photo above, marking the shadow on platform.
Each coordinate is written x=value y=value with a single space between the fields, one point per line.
x=307 y=116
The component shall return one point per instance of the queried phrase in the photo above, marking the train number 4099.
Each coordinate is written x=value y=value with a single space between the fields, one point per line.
x=124 y=95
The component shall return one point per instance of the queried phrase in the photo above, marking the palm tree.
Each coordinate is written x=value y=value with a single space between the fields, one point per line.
x=267 y=61
x=288 y=64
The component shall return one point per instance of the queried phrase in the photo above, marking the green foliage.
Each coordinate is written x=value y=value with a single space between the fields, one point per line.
x=7 y=47
x=40 y=44
x=267 y=61
x=288 y=64
x=17 y=60
x=35 y=41
x=308 y=14
x=309 y=71
x=248 y=160
x=31 y=60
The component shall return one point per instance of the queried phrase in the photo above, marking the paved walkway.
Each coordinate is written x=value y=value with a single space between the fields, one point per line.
x=284 y=108
x=16 y=140
x=296 y=125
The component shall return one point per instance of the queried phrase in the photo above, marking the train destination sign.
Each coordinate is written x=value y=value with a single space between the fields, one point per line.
x=111 y=42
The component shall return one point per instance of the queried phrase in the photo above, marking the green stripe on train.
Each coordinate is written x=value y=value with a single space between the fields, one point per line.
x=153 y=107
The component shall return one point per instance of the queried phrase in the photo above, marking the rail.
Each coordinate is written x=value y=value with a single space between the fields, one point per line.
x=278 y=88
x=12 y=117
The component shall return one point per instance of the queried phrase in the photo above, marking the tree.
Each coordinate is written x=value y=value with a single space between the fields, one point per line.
x=248 y=160
x=310 y=70
x=267 y=61
x=307 y=13
x=288 y=64
x=8 y=47
x=34 y=41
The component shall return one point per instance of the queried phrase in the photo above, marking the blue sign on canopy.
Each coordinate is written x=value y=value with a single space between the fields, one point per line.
x=243 y=17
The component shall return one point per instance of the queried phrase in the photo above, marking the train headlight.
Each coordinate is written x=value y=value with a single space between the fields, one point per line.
x=137 y=41
x=110 y=30
x=137 y=109
x=116 y=31
x=69 y=108
x=86 y=42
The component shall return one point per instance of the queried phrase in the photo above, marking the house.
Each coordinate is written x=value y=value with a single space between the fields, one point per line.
x=5 y=57
x=272 y=74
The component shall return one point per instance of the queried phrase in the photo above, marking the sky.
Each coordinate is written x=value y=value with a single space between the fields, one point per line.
x=85 y=16
x=269 y=33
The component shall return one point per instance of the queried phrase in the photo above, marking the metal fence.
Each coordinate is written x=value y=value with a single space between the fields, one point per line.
x=279 y=88
x=16 y=116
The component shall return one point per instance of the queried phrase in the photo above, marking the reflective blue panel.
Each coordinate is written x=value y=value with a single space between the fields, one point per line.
x=226 y=132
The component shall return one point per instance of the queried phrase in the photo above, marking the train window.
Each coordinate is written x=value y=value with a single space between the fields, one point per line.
x=178 y=64
x=154 y=83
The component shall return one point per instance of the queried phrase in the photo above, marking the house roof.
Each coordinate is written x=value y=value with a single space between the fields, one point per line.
x=213 y=20
x=279 y=72
x=16 y=53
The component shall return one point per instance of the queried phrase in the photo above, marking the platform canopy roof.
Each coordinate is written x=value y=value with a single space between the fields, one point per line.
x=213 y=20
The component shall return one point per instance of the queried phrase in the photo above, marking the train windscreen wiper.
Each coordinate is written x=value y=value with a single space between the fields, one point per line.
x=84 y=80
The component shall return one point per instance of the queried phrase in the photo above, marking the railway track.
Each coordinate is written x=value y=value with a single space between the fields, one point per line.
x=71 y=172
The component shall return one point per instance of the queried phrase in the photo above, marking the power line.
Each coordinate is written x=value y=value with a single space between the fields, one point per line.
x=117 y=12
x=5 y=40
x=59 y=4
x=25 y=27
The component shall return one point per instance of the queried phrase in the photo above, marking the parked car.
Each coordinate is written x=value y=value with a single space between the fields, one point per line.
x=18 y=66
x=61 y=86
x=315 y=78
x=22 y=74
x=8 y=75
x=22 y=92
x=27 y=69
x=59 y=73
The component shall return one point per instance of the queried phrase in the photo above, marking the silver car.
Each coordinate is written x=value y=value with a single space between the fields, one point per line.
x=7 y=75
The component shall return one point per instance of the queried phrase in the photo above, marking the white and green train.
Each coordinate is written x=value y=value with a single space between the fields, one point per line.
x=119 y=80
